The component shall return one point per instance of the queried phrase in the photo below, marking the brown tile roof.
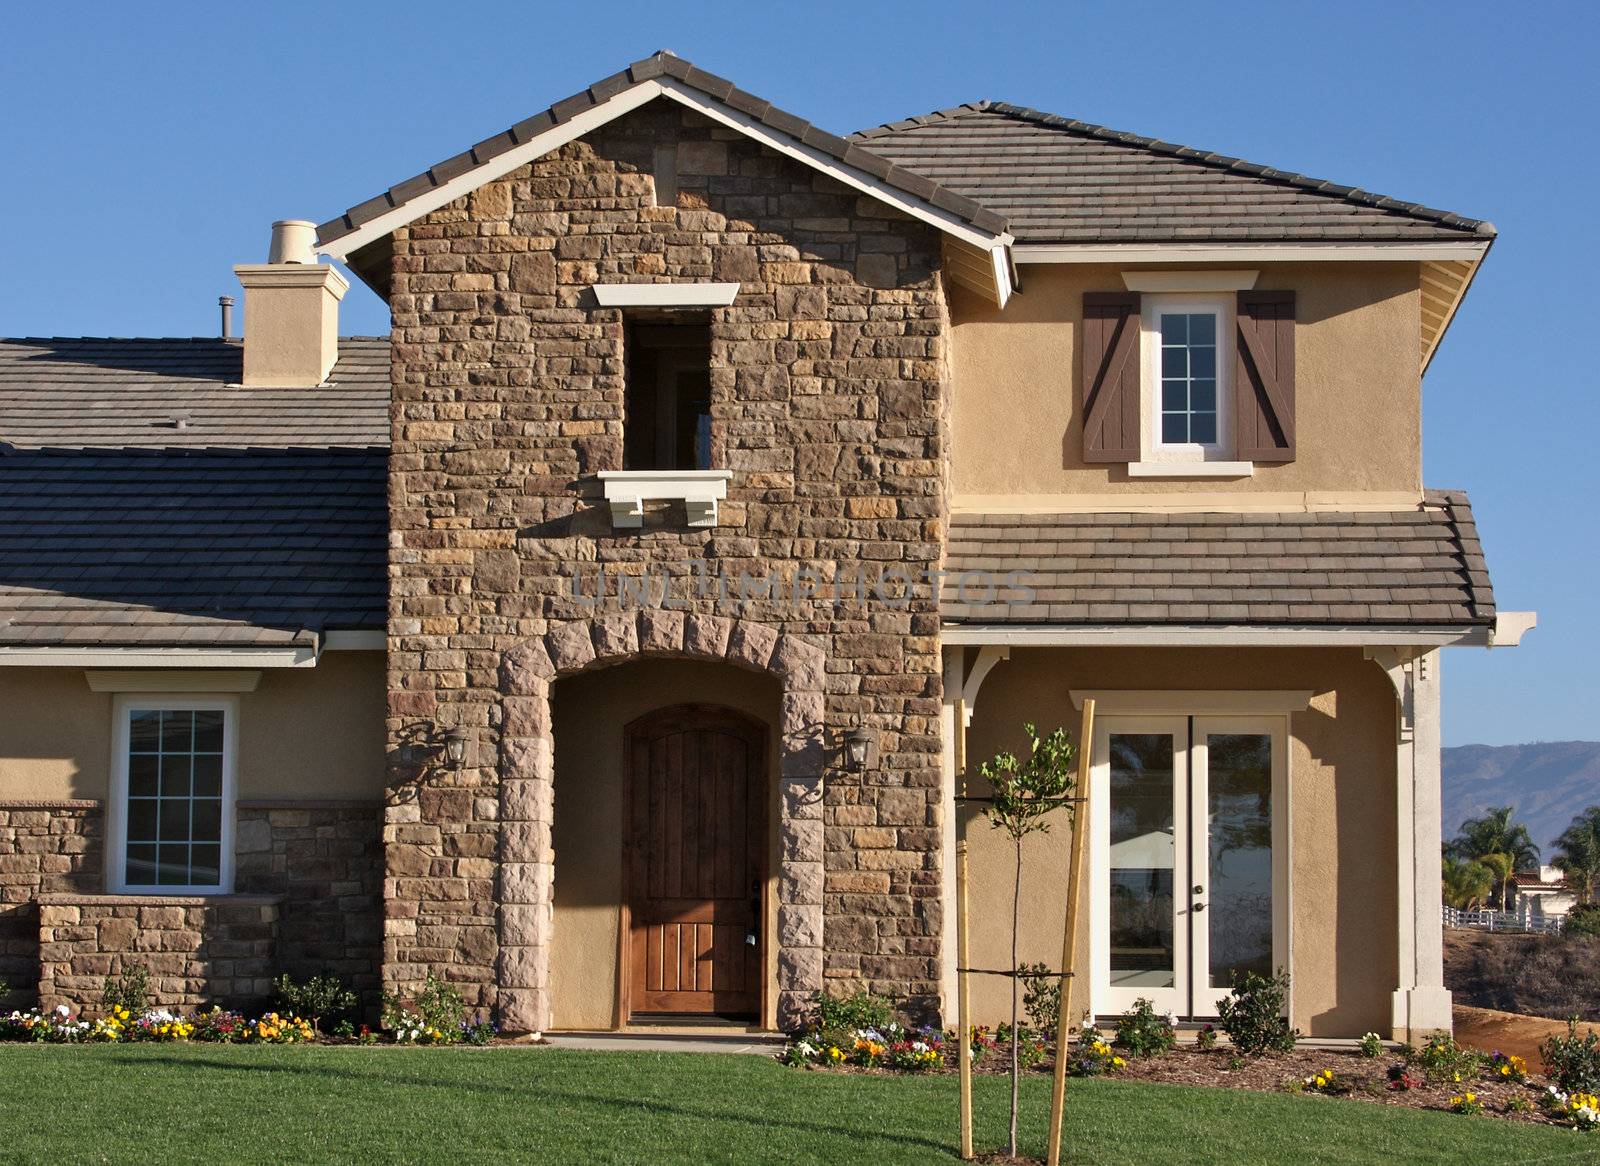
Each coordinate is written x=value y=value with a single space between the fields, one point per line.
x=111 y=547
x=183 y=393
x=664 y=64
x=1062 y=181
x=1399 y=568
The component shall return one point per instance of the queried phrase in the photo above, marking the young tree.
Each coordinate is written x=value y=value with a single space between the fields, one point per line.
x=1023 y=792
x=1466 y=884
x=1497 y=833
x=1579 y=857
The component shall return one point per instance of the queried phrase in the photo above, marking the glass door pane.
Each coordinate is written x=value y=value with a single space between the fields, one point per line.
x=1146 y=948
x=1234 y=873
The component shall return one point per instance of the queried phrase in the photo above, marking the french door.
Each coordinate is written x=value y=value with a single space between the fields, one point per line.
x=1189 y=851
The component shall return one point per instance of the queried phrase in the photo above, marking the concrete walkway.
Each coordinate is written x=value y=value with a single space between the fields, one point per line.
x=666 y=1040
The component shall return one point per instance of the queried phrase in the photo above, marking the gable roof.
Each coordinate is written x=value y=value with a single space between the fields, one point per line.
x=184 y=392
x=669 y=76
x=1057 y=180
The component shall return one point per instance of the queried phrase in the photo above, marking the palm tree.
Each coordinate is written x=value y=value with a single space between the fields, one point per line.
x=1501 y=868
x=1579 y=857
x=1466 y=884
x=1496 y=834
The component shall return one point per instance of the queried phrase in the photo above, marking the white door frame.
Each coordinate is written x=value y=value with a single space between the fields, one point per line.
x=1211 y=713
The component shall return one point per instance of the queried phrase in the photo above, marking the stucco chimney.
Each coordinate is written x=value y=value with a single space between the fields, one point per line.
x=291 y=311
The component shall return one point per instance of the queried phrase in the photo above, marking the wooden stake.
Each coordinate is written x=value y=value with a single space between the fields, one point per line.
x=1069 y=938
x=963 y=1002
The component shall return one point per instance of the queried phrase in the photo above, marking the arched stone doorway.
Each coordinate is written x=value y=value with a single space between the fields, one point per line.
x=527 y=789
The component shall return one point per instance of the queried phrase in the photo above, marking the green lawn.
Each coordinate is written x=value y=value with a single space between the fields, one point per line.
x=178 y=1103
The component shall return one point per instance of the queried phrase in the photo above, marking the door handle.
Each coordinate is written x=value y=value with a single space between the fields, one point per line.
x=1197 y=908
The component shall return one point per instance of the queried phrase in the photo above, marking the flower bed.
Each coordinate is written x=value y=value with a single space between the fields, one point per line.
x=1441 y=1076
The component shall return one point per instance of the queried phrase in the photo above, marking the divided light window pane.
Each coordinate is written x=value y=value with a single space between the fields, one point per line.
x=174 y=811
x=1188 y=378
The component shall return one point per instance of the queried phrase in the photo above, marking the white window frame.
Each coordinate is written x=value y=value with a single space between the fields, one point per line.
x=1152 y=448
x=117 y=810
x=1139 y=711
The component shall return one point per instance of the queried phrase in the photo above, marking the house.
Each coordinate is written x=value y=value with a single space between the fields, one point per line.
x=610 y=640
x=1543 y=896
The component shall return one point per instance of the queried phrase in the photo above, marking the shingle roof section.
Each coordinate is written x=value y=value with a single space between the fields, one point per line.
x=1057 y=180
x=1396 y=568
x=664 y=64
x=183 y=393
x=184 y=548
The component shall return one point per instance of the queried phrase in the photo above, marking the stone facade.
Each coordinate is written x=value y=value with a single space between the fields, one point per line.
x=45 y=848
x=828 y=380
x=309 y=882
x=198 y=951
x=324 y=859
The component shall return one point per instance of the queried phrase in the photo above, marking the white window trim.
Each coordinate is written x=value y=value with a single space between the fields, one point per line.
x=664 y=295
x=1269 y=709
x=117 y=807
x=626 y=491
x=1152 y=450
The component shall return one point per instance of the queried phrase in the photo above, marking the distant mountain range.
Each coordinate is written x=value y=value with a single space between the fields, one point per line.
x=1548 y=782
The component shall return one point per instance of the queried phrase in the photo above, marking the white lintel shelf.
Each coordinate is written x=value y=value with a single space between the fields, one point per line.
x=627 y=491
x=664 y=295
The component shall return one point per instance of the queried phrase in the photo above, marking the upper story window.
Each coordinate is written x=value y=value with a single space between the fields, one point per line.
x=172 y=795
x=1186 y=379
x=1188 y=382
x=667 y=406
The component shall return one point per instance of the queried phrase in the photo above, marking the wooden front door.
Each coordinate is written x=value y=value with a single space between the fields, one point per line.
x=695 y=838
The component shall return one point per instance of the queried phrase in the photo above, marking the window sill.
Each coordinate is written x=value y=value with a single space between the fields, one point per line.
x=176 y=897
x=626 y=491
x=1191 y=469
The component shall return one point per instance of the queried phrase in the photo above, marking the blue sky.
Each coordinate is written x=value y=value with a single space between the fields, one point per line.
x=149 y=147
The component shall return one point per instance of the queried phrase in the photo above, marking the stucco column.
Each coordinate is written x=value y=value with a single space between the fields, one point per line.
x=1421 y=1003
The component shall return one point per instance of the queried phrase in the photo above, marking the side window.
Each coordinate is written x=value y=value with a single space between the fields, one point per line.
x=667 y=418
x=172 y=791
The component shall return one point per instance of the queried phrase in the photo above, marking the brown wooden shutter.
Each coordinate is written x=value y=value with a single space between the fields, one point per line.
x=1111 y=377
x=1263 y=382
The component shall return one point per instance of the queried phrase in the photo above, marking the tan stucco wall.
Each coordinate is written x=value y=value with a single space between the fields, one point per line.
x=1016 y=385
x=1342 y=799
x=589 y=713
x=304 y=732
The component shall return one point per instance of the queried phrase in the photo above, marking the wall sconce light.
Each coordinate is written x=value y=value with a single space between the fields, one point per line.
x=455 y=747
x=858 y=748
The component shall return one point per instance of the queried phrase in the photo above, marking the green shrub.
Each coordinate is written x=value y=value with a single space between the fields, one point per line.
x=1444 y=1060
x=436 y=1015
x=860 y=1009
x=1041 y=998
x=1582 y=922
x=1144 y=1033
x=1252 y=1014
x=320 y=998
x=1371 y=1045
x=1573 y=1061
x=130 y=990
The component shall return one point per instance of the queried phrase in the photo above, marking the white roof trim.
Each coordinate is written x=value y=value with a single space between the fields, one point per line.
x=664 y=295
x=1201 y=636
x=1511 y=626
x=465 y=183
x=72 y=657
x=1243 y=252
x=632 y=98
x=783 y=144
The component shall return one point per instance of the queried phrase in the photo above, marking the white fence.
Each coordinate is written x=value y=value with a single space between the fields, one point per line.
x=1502 y=921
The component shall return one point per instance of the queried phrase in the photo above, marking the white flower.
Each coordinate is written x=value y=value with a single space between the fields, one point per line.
x=1172 y=1019
x=63 y=1011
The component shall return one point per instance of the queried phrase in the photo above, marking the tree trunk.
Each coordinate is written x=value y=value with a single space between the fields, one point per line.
x=1016 y=1067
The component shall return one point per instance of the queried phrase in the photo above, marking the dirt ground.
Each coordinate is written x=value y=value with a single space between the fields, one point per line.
x=1486 y=1029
